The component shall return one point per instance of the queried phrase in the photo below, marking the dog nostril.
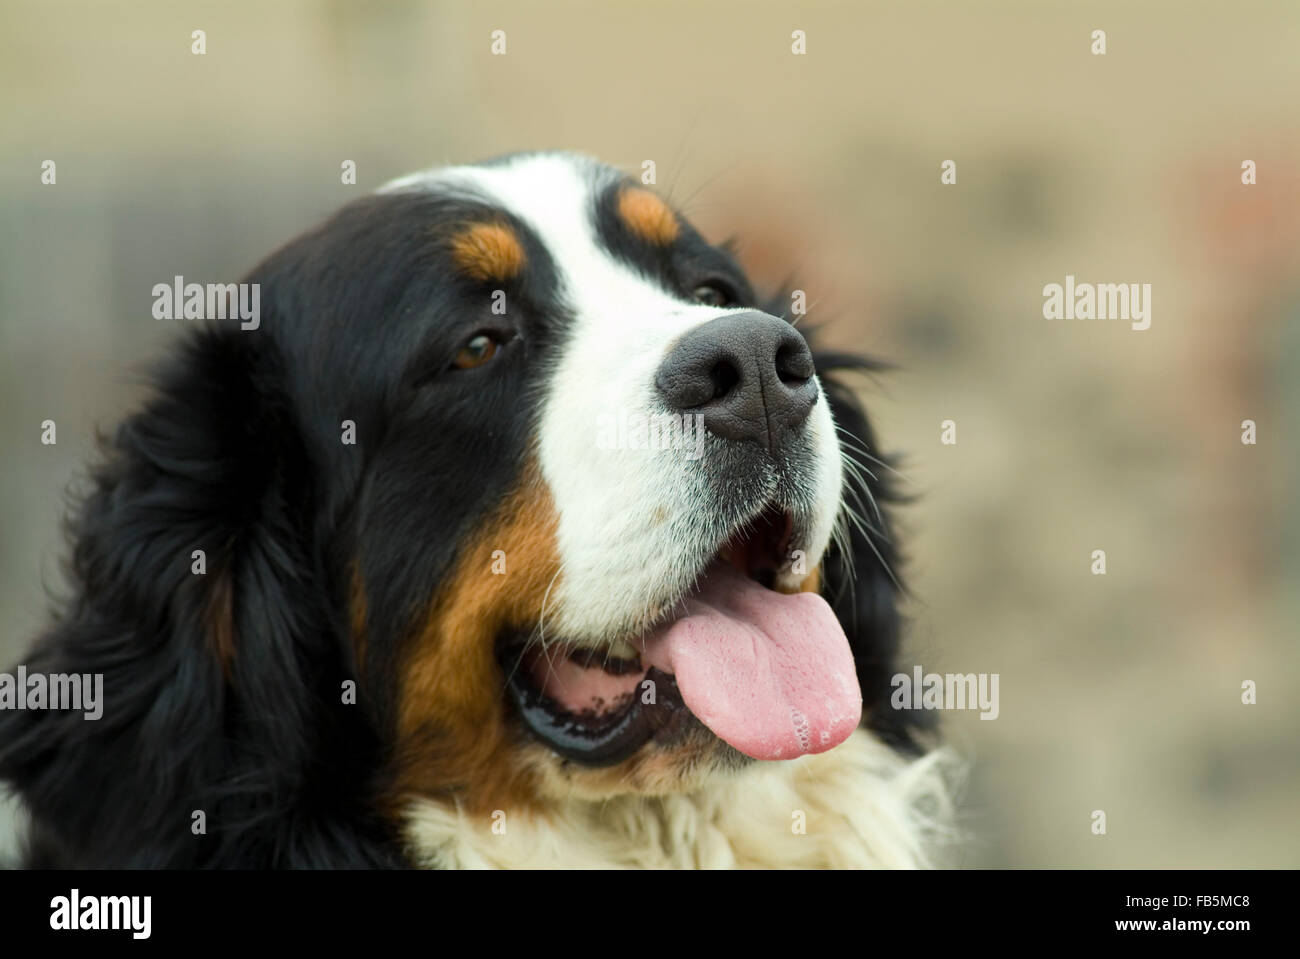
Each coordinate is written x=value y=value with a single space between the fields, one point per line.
x=794 y=365
x=725 y=377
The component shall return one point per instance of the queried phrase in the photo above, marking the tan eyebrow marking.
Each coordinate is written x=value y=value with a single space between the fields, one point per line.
x=647 y=216
x=488 y=251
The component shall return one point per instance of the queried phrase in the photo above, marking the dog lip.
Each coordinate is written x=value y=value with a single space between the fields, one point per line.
x=586 y=738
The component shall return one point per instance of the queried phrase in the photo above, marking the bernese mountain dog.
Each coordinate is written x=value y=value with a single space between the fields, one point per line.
x=519 y=533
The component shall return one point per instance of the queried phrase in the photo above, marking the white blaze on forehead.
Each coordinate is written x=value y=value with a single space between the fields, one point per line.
x=632 y=522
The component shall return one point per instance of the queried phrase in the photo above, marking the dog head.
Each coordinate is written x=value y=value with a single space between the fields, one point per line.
x=523 y=457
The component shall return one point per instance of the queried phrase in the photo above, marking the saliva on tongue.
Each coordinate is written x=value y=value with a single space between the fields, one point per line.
x=767 y=672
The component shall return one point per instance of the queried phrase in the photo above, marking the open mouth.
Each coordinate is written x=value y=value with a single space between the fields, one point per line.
x=768 y=672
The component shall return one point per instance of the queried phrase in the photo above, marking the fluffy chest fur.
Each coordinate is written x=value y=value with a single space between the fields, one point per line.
x=859 y=806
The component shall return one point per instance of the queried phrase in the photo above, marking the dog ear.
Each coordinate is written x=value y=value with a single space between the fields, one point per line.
x=197 y=601
x=861 y=576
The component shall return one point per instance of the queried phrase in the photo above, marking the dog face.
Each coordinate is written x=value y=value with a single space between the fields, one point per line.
x=592 y=572
x=522 y=455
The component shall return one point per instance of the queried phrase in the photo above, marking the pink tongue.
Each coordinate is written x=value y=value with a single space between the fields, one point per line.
x=770 y=674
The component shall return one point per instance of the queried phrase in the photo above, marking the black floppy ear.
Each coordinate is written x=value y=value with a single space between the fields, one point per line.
x=217 y=665
x=861 y=577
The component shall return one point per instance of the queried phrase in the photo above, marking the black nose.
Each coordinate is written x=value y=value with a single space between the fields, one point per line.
x=749 y=374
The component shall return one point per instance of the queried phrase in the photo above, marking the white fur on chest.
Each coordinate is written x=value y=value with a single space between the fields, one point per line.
x=859 y=805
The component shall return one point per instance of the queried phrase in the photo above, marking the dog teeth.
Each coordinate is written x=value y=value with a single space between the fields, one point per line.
x=620 y=656
x=624 y=650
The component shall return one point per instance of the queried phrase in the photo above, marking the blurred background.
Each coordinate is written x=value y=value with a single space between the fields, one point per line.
x=1119 y=692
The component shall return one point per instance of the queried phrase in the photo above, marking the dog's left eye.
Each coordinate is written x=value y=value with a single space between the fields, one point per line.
x=711 y=294
x=480 y=348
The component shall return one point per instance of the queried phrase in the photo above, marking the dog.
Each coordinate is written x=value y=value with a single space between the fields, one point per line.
x=517 y=532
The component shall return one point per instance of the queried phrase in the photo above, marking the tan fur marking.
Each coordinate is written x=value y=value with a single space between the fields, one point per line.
x=453 y=739
x=357 y=609
x=488 y=251
x=219 y=614
x=647 y=216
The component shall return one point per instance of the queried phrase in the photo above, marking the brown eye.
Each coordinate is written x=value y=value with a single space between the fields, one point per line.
x=710 y=294
x=476 y=352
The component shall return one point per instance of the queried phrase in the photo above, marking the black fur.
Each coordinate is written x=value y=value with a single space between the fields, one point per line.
x=865 y=592
x=238 y=454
